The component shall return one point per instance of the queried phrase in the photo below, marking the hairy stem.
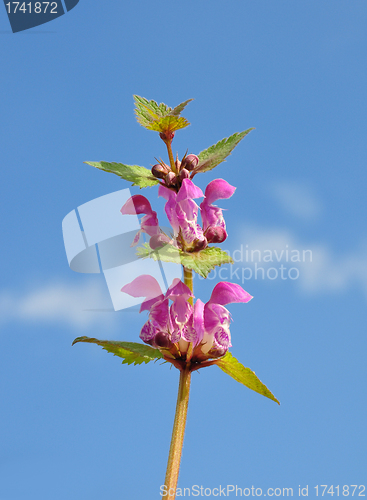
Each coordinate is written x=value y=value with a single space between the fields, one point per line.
x=170 y=156
x=188 y=280
x=174 y=457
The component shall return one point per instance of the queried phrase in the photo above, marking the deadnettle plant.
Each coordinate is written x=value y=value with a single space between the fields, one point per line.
x=180 y=328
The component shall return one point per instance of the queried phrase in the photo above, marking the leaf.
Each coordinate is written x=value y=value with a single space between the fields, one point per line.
x=178 y=109
x=130 y=352
x=159 y=117
x=211 y=157
x=201 y=262
x=245 y=376
x=139 y=176
x=168 y=124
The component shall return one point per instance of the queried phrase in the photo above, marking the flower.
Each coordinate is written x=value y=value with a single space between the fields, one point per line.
x=182 y=212
x=138 y=204
x=173 y=327
x=214 y=226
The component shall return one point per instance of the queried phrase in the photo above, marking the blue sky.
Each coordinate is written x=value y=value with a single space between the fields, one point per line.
x=75 y=423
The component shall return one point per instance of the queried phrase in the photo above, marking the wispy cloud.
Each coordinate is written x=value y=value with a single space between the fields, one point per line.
x=296 y=199
x=75 y=305
x=320 y=268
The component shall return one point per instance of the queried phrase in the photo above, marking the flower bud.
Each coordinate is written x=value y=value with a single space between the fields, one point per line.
x=158 y=240
x=160 y=170
x=190 y=162
x=170 y=179
x=217 y=352
x=216 y=234
x=199 y=245
x=167 y=136
x=184 y=174
x=161 y=340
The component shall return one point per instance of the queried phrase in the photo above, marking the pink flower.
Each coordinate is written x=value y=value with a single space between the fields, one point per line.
x=138 y=204
x=214 y=226
x=205 y=325
x=182 y=212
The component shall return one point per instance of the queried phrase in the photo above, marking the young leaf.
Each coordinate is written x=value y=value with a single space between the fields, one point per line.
x=130 y=352
x=178 y=109
x=159 y=117
x=168 y=124
x=211 y=157
x=245 y=376
x=139 y=176
x=201 y=262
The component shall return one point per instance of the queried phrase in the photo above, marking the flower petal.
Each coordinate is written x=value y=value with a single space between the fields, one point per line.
x=137 y=204
x=144 y=286
x=227 y=293
x=177 y=289
x=188 y=191
x=218 y=189
x=198 y=320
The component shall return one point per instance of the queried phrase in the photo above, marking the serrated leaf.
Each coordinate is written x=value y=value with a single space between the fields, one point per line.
x=159 y=117
x=130 y=352
x=178 y=109
x=201 y=262
x=211 y=157
x=168 y=124
x=139 y=176
x=230 y=365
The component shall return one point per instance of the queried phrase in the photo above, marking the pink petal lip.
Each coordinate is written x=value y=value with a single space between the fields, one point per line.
x=227 y=293
x=144 y=286
x=188 y=191
x=218 y=189
x=137 y=204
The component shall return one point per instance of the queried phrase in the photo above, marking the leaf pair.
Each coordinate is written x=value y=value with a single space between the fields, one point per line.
x=142 y=177
x=132 y=352
x=164 y=119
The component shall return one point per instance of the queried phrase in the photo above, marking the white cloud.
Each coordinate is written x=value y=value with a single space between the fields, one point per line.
x=78 y=306
x=320 y=269
x=297 y=199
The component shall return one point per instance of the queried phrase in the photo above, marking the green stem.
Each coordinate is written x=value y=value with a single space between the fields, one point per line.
x=175 y=451
x=170 y=156
x=189 y=281
x=174 y=457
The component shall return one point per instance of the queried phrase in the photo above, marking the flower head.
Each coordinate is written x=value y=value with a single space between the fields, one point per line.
x=173 y=327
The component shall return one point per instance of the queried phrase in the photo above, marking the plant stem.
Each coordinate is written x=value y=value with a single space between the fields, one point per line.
x=175 y=451
x=174 y=457
x=170 y=156
x=188 y=280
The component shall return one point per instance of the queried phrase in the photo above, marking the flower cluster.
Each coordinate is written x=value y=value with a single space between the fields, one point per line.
x=172 y=328
x=182 y=212
x=184 y=169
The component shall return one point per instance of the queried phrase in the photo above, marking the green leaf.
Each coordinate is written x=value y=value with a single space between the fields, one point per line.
x=130 y=352
x=245 y=376
x=139 y=176
x=201 y=262
x=159 y=117
x=211 y=157
x=178 y=109
x=168 y=124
